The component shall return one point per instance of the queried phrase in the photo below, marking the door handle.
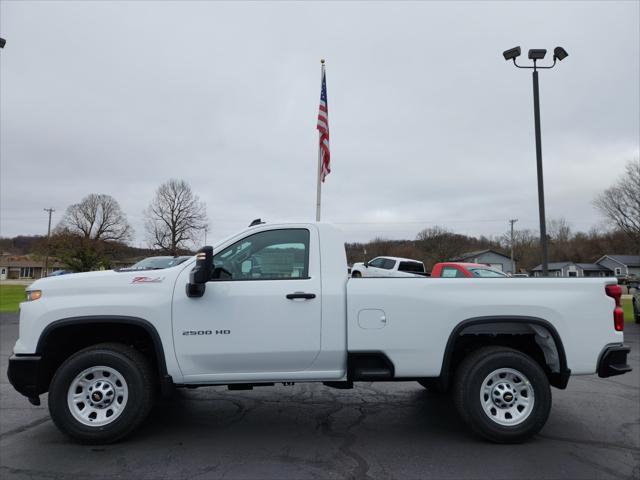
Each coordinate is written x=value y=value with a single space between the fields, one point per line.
x=306 y=296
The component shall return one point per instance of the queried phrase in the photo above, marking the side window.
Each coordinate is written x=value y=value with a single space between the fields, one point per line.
x=388 y=264
x=411 y=267
x=270 y=255
x=452 y=272
x=377 y=262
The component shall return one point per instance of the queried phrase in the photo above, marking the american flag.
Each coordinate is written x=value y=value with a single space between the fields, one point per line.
x=323 y=128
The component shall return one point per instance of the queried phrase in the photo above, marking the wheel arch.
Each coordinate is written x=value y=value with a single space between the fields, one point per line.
x=98 y=329
x=550 y=346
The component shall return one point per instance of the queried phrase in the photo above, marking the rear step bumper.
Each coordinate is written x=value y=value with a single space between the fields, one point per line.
x=613 y=361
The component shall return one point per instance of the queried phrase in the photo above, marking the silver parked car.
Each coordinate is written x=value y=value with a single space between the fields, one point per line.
x=157 y=263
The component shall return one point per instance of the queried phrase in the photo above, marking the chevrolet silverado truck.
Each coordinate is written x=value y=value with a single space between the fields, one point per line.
x=275 y=304
x=388 y=267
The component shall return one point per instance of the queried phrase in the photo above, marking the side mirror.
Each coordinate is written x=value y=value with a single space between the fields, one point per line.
x=366 y=264
x=201 y=273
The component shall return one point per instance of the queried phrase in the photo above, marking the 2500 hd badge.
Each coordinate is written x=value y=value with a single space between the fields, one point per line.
x=206 y=332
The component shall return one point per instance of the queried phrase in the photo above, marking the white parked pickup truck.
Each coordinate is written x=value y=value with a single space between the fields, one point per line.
x=388 y=267
x=275 y=304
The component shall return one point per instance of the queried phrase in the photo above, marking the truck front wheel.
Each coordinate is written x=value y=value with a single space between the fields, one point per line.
x=101 y=393
x=502 y=394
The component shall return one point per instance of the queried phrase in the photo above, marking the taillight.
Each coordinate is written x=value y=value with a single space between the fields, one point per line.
x=615 y=292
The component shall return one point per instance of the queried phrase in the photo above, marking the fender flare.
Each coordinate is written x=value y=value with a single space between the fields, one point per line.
x=115 y=319
x=558 y=379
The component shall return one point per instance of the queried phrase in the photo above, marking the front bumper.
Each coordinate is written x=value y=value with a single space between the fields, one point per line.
x=613 y=361
x=26 y=374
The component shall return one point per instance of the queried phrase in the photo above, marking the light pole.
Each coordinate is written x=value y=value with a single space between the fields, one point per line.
x=559 y=53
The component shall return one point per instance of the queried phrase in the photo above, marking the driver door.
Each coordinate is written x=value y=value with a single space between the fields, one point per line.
x=260 y=315
x=375 y=268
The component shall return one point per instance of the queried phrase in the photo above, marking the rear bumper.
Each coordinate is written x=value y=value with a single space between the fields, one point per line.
x=25 y=374
x=613 y=361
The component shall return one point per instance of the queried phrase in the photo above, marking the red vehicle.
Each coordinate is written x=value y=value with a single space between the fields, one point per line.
x=465 y=270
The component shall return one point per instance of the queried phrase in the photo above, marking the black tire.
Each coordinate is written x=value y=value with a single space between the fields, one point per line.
x=636 y=311
x=356 y=274
x=127 y=362
x=471 y=374
x=433 y=385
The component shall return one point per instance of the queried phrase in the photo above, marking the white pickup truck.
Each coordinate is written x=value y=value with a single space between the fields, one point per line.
x=388 y=267
x=275 y=304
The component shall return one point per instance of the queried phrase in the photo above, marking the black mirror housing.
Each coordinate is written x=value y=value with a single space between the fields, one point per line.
x=201 y=273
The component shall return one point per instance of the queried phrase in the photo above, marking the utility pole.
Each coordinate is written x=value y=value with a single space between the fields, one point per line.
x=46 y=258
x=513 y=263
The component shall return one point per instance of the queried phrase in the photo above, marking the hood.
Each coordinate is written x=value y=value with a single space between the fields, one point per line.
x=108 y=278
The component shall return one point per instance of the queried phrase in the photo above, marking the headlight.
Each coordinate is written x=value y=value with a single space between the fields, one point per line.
x=33 y=295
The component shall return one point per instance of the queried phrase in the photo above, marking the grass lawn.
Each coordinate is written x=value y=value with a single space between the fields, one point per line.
x=10 y=297
x=627 y=306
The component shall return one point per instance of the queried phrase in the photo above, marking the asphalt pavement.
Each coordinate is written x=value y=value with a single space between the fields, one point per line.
x=376 y=430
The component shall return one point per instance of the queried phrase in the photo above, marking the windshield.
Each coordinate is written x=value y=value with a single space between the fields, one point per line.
x=486 y=272
x=157 y=263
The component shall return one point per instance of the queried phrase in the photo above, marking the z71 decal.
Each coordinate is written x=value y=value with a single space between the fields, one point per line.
x=147 y=280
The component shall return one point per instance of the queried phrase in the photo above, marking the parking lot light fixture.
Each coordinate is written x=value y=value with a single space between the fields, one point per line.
x=560 y=53
x=537 y=54
x=512 y=53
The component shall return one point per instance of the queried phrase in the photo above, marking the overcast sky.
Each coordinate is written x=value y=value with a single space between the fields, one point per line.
x=429 y=125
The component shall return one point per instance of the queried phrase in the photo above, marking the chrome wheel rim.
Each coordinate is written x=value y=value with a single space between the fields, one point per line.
x=507 y=397
x=97 y=396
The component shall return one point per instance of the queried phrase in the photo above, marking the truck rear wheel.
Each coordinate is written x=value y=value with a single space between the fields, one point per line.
x=502 y=394
x=433 y=385
x=101 y=393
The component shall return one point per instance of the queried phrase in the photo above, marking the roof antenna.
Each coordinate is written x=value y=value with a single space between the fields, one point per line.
x=257 y=221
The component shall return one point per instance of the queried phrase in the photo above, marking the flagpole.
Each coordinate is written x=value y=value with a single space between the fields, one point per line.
x=319 y=185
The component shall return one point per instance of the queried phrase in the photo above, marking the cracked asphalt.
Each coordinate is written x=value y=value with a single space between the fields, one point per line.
x=381 y=430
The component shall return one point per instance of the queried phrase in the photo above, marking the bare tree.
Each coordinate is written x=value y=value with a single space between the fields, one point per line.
x=175 y=217
x=526 y=244
x=621 y=203
x=96 y=217
x=559 y=230
x=439 y=244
